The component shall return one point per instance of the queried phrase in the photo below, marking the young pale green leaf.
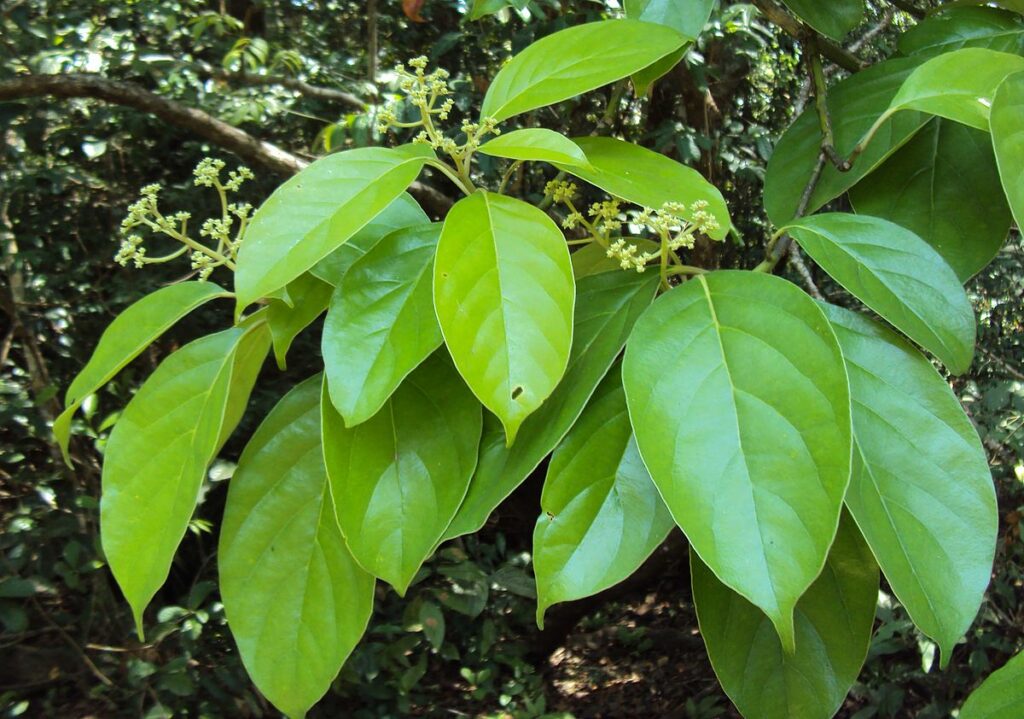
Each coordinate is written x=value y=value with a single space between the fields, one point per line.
x=607 y=307
x=943 y=185
x=381 y=324
x=504 y=294
x=399 y=477
x=536 y=143
x=899 y=276
x=854 y=104
x=647 y=178
x=741 y=408
x=957 y=85
x=835 y=18
x=1000 y=696
x=601 y=514
x=687 y=18
x=644 y=79
x=921 y=490
x=125 y=338
x=960 y=27
x=404 y=211
x=833 y=631
x=296 y=601
x=574 y=61
x=315 y=212
x=156 y=459
x=1008 y=140
x=310 y=297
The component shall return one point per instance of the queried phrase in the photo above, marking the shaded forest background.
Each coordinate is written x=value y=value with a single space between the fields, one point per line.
x=98 y=99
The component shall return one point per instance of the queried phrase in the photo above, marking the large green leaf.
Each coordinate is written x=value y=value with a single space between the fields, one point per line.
x=504 y=293
x=899 y=276
x=1008 y=140
x=296 y=601
x=943 y=185
x=687 y=17
x=576 y=60
x=125 y=338
x=854 y=105
x=960 y=27
x=601 y=513
x=404 y=211
x=740 y=404
x=535 y=143
x=250 y=354
x=315 y=212
x=646 y=178
x=833 y=631
x=310 y=297
x=834 y=18
x=381 y=324
x=921 y=490
x=607 y=307
x=1001 y=696
x=399 y=477
x=156 y=459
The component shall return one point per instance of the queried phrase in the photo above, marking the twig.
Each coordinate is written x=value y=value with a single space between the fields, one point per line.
x=796 y=29
x=1006 y=366
x=797 y=260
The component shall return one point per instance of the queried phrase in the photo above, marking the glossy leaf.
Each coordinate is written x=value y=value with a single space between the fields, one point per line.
x=404 y=211
x=601 y=514
x=1000 y=696
x=644 y=79
x=646 y=177
x=399 y=477
x=315 y=212
x=607 y=307
x=854 y=105
x=943 y=186
x=381 y=324
x=835 y=18
x=504 y=294
x=574 y=61
x=125 y=338
x=899 y=276
x=310 y=297
x=739 y=401
x=687 y=17
x=155 y=461
x=250 y=354
x=833 y=631
x=296 y=601
x=960 y=27
x=535 y=143
x=1008 y=140
x=921 y=490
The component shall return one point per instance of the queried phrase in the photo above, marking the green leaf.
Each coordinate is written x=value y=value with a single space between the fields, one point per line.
x=156 y=459
x=1001 y=696
x=402 y=212
x=125 y=339
x=250 y=355
x=739 y=401
x=1008 y=140
x=899 y=276
x=601 y=513
x=574 y=61
x=921 y=490
x=296 y=601
x=504 y=293
x=381 y=324
x=687 y=17
x=957 y=85
x=310 y=297
x=833 y=631
x=854 y=105
x=483 y=8
x=535 y=144
x=644 y=79
x=315 y=212
x=835 y=18
x=607 y=307
x=399 y=477
x=943 y=185
x=647 y=178
x=961 y=27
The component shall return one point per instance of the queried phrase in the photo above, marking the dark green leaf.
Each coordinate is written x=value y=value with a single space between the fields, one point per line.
x=959 y=27
x=310 y=297
x=834 y=18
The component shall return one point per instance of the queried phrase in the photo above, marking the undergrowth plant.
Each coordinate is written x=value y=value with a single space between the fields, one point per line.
x=800 y=446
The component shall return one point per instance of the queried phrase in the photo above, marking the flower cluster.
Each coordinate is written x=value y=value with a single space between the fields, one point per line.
x=629 y=256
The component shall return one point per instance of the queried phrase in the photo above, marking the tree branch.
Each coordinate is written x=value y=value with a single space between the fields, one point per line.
x=201 y=124
x=794 y=28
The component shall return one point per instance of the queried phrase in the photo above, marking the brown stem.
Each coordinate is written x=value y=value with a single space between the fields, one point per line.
x=796 y=29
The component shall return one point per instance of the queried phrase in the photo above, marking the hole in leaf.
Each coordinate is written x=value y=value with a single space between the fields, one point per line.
x=516 y=391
